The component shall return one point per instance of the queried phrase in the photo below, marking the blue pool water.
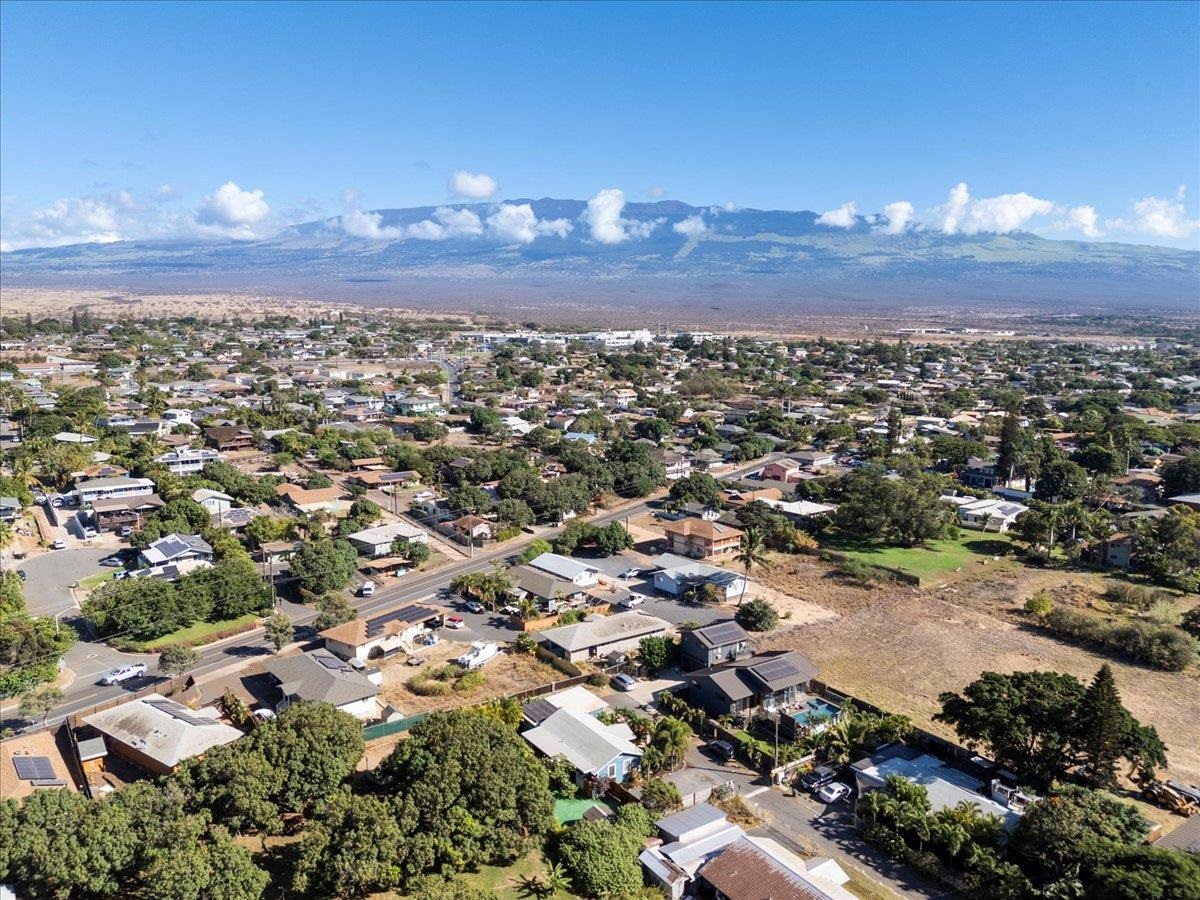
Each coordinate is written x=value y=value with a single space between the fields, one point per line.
x=815 y=708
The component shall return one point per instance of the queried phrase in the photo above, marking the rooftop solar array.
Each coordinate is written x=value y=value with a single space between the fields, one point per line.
x=774 y=669
x=179 y=711
x=332 y=662
x=171 y=546
x=33 y=768
x=724 y=632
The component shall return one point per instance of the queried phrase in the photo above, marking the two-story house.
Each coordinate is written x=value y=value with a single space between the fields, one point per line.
x=699 y=539
x=711 y=645
x=767 y=680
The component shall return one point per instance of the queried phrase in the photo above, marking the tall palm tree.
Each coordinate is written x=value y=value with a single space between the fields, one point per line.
x=671 y=738
x=7 y=538
x=752 y=554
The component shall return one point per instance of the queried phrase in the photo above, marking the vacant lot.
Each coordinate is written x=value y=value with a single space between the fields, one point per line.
x=507 y=673
x=971 y=549
x=899 y=647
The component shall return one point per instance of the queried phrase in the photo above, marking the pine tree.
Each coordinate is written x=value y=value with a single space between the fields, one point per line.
x=1006 y=455
x=1103 y=725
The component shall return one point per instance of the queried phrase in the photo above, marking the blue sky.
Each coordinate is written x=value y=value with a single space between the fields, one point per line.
x=120 y=120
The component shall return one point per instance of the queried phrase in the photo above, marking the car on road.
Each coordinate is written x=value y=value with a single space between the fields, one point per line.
x=624 y=682
x=454 y=622
x=818 y=778
x=112 y=562
x=59 y=544
x=632 y=600
x=722 y=749
x=123 y=673
x=474 y=606
x=633 y=572
x=833 y=792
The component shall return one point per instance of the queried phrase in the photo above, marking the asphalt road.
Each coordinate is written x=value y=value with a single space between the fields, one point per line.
x=49 y=576
x=84 y=693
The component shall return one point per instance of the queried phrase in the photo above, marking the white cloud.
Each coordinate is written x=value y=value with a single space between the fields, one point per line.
x=166 y=191
x=1083 y=219
x=657 y=192
x=604 y=220
x=475 y=187
x=1158 y=217
x=517 y=223
x=692 y=227
x=232 y=207
x=842 y=217
x=357 y=223
x=1007 y=212
x=351 y=196
x=899 y=216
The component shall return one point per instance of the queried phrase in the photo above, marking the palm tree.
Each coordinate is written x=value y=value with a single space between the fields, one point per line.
x=7 y=537
x=671 y=738
x=752 y=554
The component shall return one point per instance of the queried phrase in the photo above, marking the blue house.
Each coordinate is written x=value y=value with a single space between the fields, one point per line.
x=593 y=748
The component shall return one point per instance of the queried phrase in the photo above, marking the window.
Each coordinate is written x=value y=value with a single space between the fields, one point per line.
x=612 y=770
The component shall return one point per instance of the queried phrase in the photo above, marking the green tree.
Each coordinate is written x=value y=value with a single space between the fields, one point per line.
x=315 y=744
x=661 y=797
x=757 y=615
x=177 y=659
x=1147 y=873
x=1061 y=481
x=472 y=788
x=1181 y=476
x=354 y=846
x=656 y=653
x=324 y=565
x=536 y=548
x=279 y=630
x=1103 y=725
x=602 y=857
x=41 y=701
x=333 y=609
x=751 y=555
x=671 y=737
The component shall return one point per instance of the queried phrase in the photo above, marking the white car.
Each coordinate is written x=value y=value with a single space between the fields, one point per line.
x=89 y=533
x=262 y=714
x=833 y=792
x=474 y=606
x=59 y=544
x=123 y=673
x=631 y=573
x=632 y=600
x=510 y=610
x=367 y=589
x=454 y=622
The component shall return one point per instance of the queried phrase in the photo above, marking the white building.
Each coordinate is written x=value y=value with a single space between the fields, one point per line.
x=186 y=461
x=988 y=514
x=112 y=488
x=376 y=542
x=579 y=574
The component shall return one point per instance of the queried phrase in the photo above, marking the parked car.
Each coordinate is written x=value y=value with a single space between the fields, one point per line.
x=722 y=749
x=633 y=572
x=123 y=673
x=126 y=531
x=474 y=606
x=510 y=610
x=632 y=600
x=89 y=533
x=818 y=778
x=112 y=562
x=624 y=682
x=59 y=544
x=454 y=622
x=833 y=792
x=367 y=589
x=263 y=714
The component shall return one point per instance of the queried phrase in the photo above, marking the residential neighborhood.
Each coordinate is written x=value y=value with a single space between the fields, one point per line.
x=741 y=616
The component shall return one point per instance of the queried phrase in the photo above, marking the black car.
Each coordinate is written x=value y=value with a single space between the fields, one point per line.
x=21 y=574
x=818 y=778
x=723 y=749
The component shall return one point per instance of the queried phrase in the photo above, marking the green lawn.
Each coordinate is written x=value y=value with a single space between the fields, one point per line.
x=94 y=581
x=935 y=558
x=505 y=882
x=572 y=809
x=196 y=632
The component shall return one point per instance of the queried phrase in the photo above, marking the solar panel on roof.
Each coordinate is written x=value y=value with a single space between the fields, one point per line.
x=774 y=669
x=179 y=711
x=332 y=662
x=30 y=768
x=171 y=546
x=724 y=631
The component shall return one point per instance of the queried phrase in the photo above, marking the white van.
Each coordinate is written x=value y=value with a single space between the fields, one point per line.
x=367 y=589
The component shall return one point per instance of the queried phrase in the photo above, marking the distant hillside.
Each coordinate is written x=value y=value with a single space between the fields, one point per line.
x=775 y=260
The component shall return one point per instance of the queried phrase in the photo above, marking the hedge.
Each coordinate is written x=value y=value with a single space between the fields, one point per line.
x=1160 y=646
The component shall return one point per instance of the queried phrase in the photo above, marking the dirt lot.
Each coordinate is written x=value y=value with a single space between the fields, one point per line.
x=505 y=674
x=899 y=647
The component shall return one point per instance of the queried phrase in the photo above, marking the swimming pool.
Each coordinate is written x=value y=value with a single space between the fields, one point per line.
x=816 y=708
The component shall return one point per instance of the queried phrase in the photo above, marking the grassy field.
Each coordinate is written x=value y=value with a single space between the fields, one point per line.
x=196 y=633
x=935 y=558
x=94 y=581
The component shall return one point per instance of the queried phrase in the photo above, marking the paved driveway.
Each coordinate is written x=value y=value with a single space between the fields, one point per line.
x=49 y=576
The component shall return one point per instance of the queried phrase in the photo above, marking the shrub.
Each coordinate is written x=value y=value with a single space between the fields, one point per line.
x=1039 y=605
x=757 y=615
x=469 y=681
x=1161 y=646
x=424 y=685
x=863 y=573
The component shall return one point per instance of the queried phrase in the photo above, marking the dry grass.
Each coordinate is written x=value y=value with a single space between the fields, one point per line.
x=899 y=647
x=738 y=811
x=507 y=673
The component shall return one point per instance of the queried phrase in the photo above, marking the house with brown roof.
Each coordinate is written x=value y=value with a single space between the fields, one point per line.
x=754 y=868
x=699 y=539
x=224 y=438
x=468 y=529
x=307 y=500
x=362 y=639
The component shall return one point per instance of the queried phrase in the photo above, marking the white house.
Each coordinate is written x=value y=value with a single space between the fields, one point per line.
x=186 y=461
x=680 y=575
x=112 y=488
x=215 y=502
x=579 y=574
x=988 y=514
x=362 y=639
x=376 y=542
x=601 y=635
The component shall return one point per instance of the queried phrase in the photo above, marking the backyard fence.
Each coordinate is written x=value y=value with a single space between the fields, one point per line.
x=396 y=726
